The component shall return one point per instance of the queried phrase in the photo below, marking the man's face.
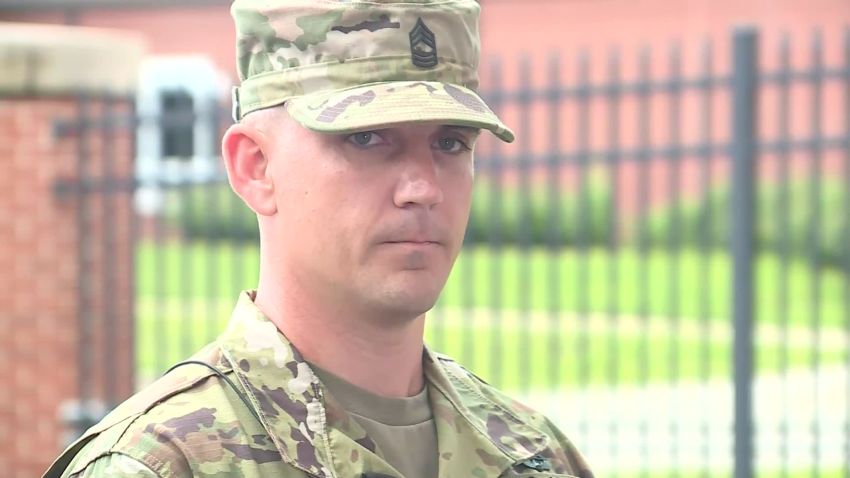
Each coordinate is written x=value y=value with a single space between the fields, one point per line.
x=372 y=220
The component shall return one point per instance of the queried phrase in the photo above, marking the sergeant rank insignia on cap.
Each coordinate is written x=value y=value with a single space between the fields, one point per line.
x=423 y=46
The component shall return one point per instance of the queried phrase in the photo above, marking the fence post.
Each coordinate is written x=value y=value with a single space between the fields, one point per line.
x=744 y=146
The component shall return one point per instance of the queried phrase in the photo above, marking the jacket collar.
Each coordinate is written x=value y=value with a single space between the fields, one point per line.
x=311 y=430
x=476 y=432
x=281 y=386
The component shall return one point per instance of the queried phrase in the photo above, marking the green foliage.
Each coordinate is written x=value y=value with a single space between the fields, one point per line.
x=510 y=216
x=785 y=221
x=507 y=215
x=211 y=211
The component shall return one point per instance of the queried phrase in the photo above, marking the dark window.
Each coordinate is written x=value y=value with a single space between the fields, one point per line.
x=178 y=138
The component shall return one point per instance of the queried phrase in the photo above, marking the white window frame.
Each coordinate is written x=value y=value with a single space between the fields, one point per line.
x=207 y=85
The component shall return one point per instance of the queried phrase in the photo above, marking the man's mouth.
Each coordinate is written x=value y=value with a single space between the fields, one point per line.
x=417 y=242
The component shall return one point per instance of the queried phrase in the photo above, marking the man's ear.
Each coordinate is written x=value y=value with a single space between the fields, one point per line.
x=245 y=152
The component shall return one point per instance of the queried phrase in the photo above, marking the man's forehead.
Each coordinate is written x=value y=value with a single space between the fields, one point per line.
x=463 y=129
x=430 y=128
x=271 y=119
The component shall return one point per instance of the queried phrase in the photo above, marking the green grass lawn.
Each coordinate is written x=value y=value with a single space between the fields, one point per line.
x=687 y=284
x=504 y=353
x=549 y=305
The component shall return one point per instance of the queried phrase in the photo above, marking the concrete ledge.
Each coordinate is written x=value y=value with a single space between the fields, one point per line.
x=55 y=60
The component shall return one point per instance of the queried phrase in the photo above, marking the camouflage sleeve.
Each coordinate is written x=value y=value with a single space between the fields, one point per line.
x=115 y=464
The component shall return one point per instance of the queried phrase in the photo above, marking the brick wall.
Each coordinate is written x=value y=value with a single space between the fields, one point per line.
x=37 y=282
x=64 y=257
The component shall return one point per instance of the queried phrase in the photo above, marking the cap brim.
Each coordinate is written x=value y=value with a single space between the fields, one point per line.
x=378 y=105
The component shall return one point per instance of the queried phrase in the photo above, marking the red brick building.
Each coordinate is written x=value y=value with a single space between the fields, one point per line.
x=509 y=27
x=200 y=33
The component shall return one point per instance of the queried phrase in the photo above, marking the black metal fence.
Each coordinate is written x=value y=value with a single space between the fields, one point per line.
x=661 y=263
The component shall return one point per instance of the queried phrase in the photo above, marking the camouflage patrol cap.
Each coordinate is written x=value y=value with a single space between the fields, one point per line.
x=353 y=65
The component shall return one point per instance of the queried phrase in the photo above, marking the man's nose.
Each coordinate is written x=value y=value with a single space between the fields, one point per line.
x=419 y=182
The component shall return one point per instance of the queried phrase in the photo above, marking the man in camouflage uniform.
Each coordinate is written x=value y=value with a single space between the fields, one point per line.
x=354 y=149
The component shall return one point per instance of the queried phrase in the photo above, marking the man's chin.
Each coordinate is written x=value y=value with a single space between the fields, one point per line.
x=405 y=303
x=407 y=293
x=410 y=307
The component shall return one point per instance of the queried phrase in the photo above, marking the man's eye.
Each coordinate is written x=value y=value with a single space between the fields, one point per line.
x=364 y=139
x=451 y=145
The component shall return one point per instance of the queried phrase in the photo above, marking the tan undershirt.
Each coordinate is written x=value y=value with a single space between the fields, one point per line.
x=403 y=428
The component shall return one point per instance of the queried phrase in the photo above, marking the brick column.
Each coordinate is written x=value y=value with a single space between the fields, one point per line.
x=56 y=235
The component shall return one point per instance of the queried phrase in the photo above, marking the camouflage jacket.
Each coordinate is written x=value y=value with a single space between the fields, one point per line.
x=192 y=423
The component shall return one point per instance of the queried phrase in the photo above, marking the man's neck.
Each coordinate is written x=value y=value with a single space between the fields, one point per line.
x=383 y=359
